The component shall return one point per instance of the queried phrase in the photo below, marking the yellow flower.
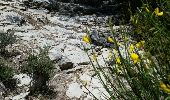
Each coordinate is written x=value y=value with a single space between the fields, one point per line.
x=140 y=44
x=131 y=49
x=110 y=39
x=157 y=12
x=118 y=60
x=134 y=57
x=162 y=85
x=86 y=39
x=147 y=9
x=165 y=87
x=167 y=90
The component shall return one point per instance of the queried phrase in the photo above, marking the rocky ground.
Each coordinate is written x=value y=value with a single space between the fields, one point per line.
x=37 y=27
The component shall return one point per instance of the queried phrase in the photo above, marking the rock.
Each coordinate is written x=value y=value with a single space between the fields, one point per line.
x=55 y=54
x=21 y=96
x=59 y=84
x=15 y=19
x=94 y=86
x=100 y=39
x=62 y=33
x=23 y=79
x=65 y=64
x=85 y=2
x=76 y=55
x=74 y=90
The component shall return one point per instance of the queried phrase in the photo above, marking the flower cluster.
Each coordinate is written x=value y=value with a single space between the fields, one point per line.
x=133 y=55
x=157 y=12
x=165 y=87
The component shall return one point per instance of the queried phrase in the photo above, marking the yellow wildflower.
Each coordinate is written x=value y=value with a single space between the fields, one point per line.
x=118 y=60
x=162 y=85
x=134 y=57
x=110 y=39
x=140 y=44
x=86 y=39
x=131 y=49
x=165 y=87
x=157 y=12
x=147 y=10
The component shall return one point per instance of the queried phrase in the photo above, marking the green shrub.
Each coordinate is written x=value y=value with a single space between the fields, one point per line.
x=6 y=76
x=40 y=67
x=6 y=39
x=154 y=28
x=143 y=72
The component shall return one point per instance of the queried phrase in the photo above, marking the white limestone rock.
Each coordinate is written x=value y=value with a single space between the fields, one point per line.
x=23 y=79
x=74 y=90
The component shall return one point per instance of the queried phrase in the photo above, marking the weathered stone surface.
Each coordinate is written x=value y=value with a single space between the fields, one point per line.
x=65 y=64
x=76 y=55
x=55 y=54
x=59 y=84
x=74 y=90
x=23 y=79
x=63 y=34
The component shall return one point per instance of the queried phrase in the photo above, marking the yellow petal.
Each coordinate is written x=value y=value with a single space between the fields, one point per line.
x=160 y=14
x=131 y=48
x=134 y=57
x=157 y=12
x=86 y=39
x=140 y=44
x=109 y=39
x=162 y=85
x=166 y=90
x=118 y=60
x=135 y=61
